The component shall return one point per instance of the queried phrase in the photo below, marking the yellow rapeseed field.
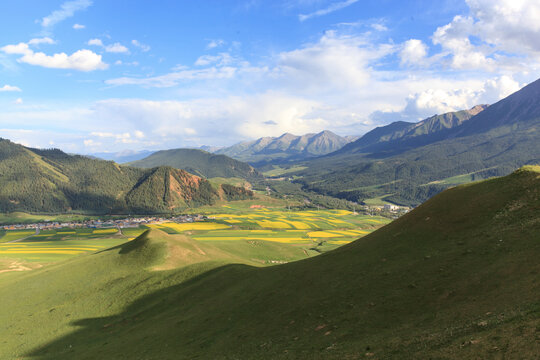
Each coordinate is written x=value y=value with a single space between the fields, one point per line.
x=105 y=231
x=322 y=234
x=273 y=224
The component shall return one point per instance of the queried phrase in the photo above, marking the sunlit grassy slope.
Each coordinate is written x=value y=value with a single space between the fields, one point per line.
x=457 y=278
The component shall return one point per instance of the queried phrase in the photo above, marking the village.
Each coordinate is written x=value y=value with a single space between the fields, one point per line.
x=130 y=222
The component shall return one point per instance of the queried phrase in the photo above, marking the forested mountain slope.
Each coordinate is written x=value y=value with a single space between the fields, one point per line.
x=52 y=181
x=200 y=163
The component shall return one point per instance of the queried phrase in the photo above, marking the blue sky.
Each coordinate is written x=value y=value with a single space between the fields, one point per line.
x=97 y=75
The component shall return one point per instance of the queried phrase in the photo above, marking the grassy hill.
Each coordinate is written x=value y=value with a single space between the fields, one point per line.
x=200 y=163
x=457 y=278
x=51 y=181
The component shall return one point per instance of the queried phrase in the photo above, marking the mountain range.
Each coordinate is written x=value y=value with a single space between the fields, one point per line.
x=47 y=181
x=286 y=148
x=408 y=163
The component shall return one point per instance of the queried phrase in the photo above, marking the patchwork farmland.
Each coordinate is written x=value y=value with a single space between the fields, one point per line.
x=300 y=234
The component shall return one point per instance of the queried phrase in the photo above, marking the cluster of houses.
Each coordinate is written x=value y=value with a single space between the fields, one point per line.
x=131 y=222
x=388 y=208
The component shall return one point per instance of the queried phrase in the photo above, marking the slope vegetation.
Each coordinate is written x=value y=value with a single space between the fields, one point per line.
x=200 y=163
x=457 y=278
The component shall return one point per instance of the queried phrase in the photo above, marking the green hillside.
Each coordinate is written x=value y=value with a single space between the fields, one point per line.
x=200 y=163
x=457 y=278
x=51 y=181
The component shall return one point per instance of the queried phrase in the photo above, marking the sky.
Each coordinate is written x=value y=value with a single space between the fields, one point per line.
x=91 y=76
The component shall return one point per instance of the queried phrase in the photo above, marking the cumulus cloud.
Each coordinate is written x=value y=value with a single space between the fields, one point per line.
x=330 y=9
x=78 y=26
x=444 y=98
x=19 y=101
x=6 y=88
x=67 y=9
x=494 y=28
x=82 y=60
x=95 y=42
x=18 y=49
x=413 y=52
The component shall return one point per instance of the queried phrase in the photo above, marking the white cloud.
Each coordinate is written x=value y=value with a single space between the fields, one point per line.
x=67 y=9
x=330 y=9
x=413 y=52
x=220 y=60
x=447 y=97
x=82 y=60
x=141 y=46
x=18 y=101
x=111 y=48
x=43 y=40
x=174 y=78
x=116 y=48
x=215 y=43
x=19 y=49
x=95 y=42
x=334 y=62
x=78 y=26
x=494 y=29
x=9 y=88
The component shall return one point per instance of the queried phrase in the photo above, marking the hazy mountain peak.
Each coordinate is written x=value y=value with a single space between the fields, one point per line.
x=286 y=147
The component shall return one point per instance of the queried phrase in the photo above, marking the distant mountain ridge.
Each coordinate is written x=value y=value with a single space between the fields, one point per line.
x=404 y=135
x=122 y=156
x=286 y=147
x=200 y=163
x=408 y=163
x=51 y=181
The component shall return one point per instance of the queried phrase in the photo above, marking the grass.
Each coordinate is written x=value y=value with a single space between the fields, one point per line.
x=457 y=278
x=279 y=171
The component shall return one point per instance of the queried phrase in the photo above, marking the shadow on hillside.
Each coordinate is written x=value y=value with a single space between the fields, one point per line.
x=140 y=324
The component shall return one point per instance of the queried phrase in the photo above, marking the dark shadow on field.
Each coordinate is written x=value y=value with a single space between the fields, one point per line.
x=110 y=336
